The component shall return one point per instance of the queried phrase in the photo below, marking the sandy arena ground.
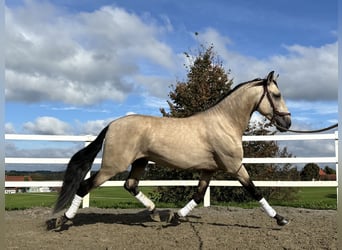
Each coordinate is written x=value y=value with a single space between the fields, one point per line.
x=206 y=228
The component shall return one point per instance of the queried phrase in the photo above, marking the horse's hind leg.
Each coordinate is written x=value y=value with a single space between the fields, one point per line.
x=247 y=183
x=85 y=187
x=105 y=173
x=131 y=185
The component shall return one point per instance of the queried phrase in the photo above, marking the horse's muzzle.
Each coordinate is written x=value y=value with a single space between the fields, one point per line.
x=283 y=122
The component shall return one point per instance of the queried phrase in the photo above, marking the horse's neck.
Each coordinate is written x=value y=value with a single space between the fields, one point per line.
x=237 y=108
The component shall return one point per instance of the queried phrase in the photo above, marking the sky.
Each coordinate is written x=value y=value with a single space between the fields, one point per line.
x=74 y=66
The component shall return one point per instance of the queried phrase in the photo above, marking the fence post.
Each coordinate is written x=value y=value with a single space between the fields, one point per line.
x=336 y=168
x=206 y=202
x=86 y=198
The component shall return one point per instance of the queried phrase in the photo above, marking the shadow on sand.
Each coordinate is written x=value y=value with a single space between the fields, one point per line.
x=142 y=219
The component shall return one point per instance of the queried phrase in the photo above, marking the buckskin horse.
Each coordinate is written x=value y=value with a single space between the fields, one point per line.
x=206 y=141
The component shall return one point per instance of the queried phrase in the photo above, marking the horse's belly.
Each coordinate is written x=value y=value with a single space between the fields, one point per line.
x=185 y=160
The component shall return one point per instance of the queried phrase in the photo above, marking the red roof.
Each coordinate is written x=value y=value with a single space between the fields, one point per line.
x=323 y=176
x=321 y=172
x=17 y=178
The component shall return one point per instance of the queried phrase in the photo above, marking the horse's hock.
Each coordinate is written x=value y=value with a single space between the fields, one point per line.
x=206 y=228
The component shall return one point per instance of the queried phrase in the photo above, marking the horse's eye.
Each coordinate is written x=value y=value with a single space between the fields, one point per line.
x=276 y=96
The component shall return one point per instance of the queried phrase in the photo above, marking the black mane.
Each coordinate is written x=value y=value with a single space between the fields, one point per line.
x=236 y=88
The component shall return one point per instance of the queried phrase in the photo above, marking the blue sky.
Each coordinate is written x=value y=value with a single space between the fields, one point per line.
x=73 y=66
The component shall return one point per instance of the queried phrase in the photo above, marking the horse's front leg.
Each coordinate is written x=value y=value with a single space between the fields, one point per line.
x=243 y=177
x=196 y=199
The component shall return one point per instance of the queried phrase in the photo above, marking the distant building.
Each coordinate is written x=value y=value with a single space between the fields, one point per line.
x=323 y=176
x=18 y=178
x=13 y=190
x=39 y=190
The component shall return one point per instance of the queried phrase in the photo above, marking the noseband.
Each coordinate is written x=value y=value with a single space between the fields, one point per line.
x=270 y=100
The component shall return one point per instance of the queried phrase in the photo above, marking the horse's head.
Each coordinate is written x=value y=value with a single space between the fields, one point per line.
x=273 y=107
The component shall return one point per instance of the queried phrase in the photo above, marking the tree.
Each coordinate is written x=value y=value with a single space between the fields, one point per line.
x=206 y=83
x=310 y=172
x=329 y=170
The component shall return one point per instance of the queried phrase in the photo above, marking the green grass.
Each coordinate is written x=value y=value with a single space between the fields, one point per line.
x=117 y=197
x=315 y=198
x=29 y=200
x=307 y=197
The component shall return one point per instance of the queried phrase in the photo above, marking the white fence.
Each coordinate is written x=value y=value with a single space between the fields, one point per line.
x=87 y=139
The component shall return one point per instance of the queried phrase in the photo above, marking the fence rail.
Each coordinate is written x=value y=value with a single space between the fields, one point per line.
x=86 y=139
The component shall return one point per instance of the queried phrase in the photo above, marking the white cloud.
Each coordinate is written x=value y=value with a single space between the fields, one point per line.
x=309 y=73
x=88 y=57
x=306 y=73
x=81 y=58
x=9 y=128
x=47 y=125
x=93 y=127
x=156 y=85
x=310 y=148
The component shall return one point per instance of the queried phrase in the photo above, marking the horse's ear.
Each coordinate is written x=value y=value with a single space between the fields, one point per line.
x=270 y=77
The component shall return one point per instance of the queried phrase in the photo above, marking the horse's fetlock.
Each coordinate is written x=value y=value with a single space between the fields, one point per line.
x=198 y=198
x=132 y=186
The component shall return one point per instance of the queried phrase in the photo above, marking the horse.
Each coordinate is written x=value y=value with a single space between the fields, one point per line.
x=207 y=141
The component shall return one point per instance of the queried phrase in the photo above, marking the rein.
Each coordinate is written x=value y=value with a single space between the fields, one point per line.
x=306 y=131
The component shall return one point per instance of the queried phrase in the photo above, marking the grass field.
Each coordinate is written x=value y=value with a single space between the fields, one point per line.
x=117 y=197
x=104 y=197
x=315 y=197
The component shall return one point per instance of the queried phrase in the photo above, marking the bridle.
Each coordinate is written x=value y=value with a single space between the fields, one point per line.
x=270 y=100
x=280 y=113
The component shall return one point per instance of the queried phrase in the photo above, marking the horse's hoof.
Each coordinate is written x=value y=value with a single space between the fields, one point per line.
x=281 y=221
x=173 y=219
x=50 y=224
x=155 y=215
x=56 y=223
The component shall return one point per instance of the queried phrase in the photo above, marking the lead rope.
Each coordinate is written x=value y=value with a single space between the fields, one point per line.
x=307 y=131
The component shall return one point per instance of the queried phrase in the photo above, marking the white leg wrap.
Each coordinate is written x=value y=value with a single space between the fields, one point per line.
x=187 y=209
x=145 y=201
x=268 y=209
x=75 y=204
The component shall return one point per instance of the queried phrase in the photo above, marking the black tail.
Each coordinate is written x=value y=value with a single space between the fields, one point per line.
x=78 y=166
